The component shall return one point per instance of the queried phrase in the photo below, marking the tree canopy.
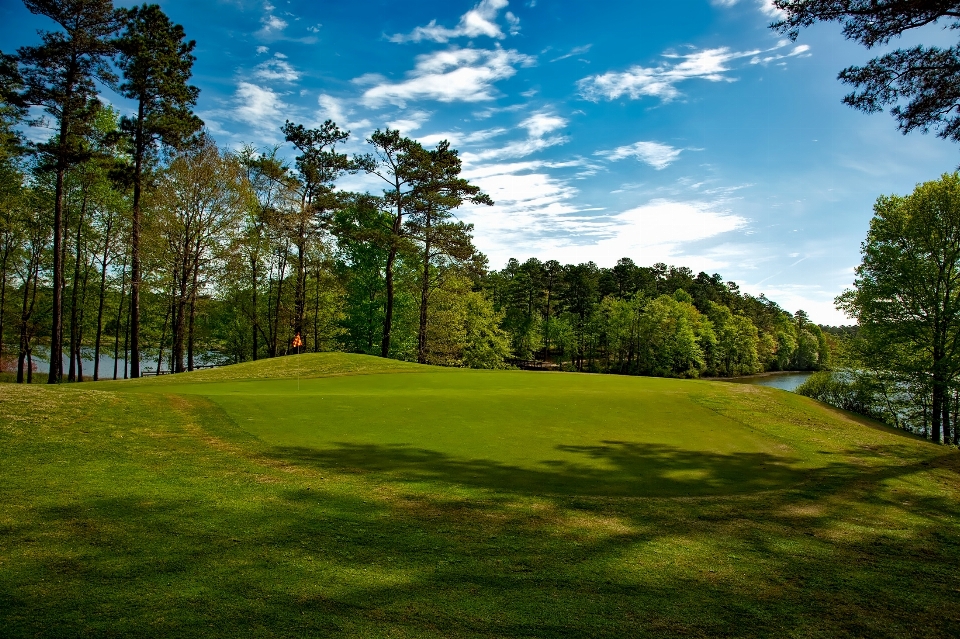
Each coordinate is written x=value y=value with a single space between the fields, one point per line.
x=921 y=85
x=906 y=295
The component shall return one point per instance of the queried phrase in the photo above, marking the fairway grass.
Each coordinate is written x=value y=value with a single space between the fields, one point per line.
x=343 y=495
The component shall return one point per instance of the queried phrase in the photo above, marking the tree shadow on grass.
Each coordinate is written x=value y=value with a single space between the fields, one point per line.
x=609 y=469
x=308 y=558
x=235 y=541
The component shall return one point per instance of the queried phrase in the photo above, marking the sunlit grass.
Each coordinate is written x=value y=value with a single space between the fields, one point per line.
x=469 y=504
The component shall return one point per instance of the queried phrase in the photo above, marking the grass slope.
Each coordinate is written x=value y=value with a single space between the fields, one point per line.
x=452 y=503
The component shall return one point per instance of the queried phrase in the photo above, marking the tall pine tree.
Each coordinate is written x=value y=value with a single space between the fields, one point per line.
x=156 y=63
x=60 y=75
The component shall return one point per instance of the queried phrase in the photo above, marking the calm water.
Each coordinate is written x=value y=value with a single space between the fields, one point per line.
x=786 y=381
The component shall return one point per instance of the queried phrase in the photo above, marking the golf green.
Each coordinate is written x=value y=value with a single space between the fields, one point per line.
x=535 y=432
x=335 y=495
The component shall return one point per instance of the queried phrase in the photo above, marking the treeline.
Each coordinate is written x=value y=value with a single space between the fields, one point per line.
x=240 y=253
x=659 y=320
x=137 y=237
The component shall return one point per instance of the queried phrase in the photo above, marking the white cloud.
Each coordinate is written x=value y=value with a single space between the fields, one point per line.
x=661 y=81
x=276 y=69
x=539 y=124
x=333 y=109
x=766 y=6
x=815 y=299
x=798 y=51
x=272 y=23
x=517 y=149
x=659 y=231
x=262 y=49
x=657 y=155
x=536 y=215
x=514 y=23
x=258 y=106
x=458 y=138
x=409 y=122
x=667 y=223
x=573 y=52
x=531 y=207
x=455 y=75
x=478 y=21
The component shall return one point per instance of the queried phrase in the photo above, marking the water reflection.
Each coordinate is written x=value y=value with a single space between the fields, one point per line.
x=783 y=381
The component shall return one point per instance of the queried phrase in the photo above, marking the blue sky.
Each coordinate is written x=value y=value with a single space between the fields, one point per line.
x=684 y=132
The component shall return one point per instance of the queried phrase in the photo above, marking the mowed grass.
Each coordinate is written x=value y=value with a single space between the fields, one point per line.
x=372 y=498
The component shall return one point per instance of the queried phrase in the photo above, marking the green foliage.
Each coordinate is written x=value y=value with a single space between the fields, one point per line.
x=485 y=345
x=619 y=324
x=905 y=296
x=855 y=393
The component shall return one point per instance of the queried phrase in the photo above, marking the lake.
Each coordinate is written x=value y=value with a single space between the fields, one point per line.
x=783 y=381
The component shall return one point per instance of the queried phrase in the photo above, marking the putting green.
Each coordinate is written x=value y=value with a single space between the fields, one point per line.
x=535 y=432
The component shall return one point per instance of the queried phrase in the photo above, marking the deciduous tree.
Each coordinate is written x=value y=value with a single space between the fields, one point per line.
x=906 y=295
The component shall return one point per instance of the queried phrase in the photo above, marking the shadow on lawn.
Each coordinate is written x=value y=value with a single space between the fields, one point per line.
x=316 y=560
x=346 y=545
x=618 y=469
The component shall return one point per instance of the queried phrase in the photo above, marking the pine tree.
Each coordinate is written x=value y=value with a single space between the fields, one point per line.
x=156 y=63
x=60 y=75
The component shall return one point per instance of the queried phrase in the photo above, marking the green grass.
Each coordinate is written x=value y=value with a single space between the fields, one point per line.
x=373 y=498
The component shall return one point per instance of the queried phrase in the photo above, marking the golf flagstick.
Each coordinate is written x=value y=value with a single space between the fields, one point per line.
x=297 y=342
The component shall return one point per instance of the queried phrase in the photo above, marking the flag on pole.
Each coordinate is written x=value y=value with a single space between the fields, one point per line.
x=297 y=341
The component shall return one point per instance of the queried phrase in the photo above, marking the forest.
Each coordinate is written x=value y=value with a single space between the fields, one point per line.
x=241 y=251
x=138 y=238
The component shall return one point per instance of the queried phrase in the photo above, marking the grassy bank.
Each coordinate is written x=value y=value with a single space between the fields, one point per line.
x=365 y=497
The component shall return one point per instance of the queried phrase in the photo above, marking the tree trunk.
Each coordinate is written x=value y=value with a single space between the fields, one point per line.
x=24 y=318
x=956 y=429
x=937 y=408
x=255 y=316
x=163 y=337
x=100 y=304
x=126 y=339
x=74 y=315
x=179 y=313
x=388 y=315
x=300 y=292
x=116 y=333
x=424 y=295
x=190 y=333
x=3 y=291
x=946 y=418
x=56 y=333
x=81 y=319
x=316 y=312
x=275 y=329
x=139 y=150
x=193 y=305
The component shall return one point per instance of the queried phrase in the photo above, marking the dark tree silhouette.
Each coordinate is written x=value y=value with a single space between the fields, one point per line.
x=921 y=84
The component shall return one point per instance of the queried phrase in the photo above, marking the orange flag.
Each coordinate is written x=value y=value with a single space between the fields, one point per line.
x=297 y=341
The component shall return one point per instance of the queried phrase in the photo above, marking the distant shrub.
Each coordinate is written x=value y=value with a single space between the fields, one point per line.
x=855 y=393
